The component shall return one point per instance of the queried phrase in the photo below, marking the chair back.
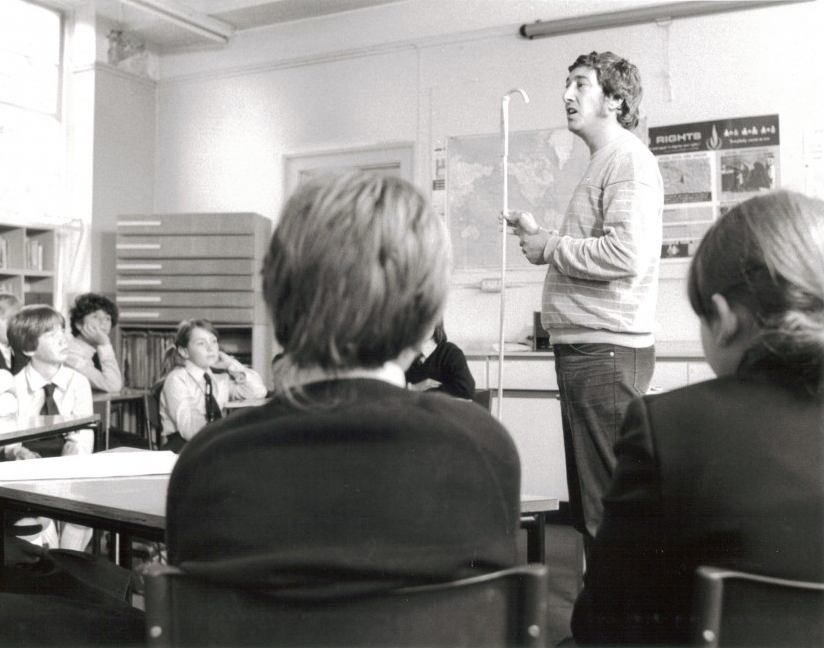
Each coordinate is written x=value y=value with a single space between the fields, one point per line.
x=742 y=609
x=504 y=608
x=153 y=414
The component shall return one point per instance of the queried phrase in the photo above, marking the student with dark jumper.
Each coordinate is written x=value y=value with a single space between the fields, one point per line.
x=346 y=480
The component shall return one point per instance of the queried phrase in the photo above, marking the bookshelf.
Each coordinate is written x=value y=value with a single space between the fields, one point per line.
x=28 y=258
x=172 y=267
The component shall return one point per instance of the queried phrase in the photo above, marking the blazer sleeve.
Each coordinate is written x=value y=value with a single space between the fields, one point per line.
x=627 y=595
x=456 y=379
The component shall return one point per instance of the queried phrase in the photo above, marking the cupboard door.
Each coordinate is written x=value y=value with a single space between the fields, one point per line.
x=534 y=422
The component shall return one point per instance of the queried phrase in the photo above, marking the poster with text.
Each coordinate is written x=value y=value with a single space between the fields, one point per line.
x=707 y=167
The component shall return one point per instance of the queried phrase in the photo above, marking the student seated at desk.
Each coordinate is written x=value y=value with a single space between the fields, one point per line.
x=192 y=394
x=346 y=480
x=48 y=386
x=441 y=366
x=728 y=472
x=9 y=305
x=90 y=350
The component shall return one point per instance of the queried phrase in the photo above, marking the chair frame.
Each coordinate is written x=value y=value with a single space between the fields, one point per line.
x=153 y=422
x=530 y=599
x=709 y=598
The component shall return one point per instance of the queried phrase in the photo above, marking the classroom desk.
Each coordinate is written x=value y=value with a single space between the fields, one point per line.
x=136 y=507
x=128 y=506
x=103 y=402
x=242 y=404
x=534 y=509
x=27 y=428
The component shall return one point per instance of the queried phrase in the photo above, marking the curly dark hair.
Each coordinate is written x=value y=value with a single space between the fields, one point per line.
x=88 y=303
x=619 y=79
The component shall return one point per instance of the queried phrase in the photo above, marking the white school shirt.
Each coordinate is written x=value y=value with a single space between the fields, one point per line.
x=8 y=401
x=183 y=400
x=79 y=356
x=73 y=396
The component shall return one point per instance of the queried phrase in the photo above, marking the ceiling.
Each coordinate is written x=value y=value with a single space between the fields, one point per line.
x=238 y=15
x=418 y=16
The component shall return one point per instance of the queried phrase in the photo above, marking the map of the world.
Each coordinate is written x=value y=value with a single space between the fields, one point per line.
x=544 y=168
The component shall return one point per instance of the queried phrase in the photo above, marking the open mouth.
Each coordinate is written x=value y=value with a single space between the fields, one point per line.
x=571 y=111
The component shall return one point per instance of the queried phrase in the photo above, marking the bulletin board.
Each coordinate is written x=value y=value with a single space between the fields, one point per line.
x=708 y=167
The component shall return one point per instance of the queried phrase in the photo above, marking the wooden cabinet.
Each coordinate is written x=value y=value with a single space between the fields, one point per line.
x=28 y=258
x=172 y=267
x=534 y=421
x=532 y=410
x=672 y=373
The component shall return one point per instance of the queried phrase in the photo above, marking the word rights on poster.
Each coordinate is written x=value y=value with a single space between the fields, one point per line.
x=708 y=167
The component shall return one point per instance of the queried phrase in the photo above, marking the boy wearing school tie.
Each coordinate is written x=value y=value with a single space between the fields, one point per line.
x=48 y=386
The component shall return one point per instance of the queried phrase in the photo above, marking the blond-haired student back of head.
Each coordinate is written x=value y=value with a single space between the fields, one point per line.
x=346 y=480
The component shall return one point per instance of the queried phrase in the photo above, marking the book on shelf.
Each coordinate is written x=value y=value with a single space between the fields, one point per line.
x=4 y=252
x=142 y=356
x=36 y=297
x=34 y=254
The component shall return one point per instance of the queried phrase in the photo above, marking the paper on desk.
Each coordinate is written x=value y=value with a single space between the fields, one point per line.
x=101 y=464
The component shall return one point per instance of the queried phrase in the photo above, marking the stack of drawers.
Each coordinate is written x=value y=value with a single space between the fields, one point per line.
x=172 y=267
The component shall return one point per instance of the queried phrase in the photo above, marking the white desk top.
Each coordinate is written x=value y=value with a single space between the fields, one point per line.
x=14 y=428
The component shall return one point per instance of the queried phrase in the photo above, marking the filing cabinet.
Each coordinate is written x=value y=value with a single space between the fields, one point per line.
x=172 y=267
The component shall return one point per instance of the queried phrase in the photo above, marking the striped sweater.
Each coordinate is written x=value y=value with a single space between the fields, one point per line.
x=602 y=282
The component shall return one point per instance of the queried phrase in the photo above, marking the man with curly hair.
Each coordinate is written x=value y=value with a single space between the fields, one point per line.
x=601 y=286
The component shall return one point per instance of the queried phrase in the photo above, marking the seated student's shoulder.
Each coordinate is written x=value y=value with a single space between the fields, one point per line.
x=462 y=417
x=75 y=351
x=75 y=377
x=175 y=377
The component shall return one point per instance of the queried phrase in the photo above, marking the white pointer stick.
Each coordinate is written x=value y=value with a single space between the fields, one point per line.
x=504 y=228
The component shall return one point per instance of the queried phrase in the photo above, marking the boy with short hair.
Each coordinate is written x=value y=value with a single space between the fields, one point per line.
x=48 y=386
x=9 y=305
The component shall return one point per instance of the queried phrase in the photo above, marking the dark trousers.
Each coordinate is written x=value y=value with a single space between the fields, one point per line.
x=596 y=384
x=68 y=599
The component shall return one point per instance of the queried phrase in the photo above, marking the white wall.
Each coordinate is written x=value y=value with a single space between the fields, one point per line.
x=221 y=141
x=223 y=126
x=124 y=155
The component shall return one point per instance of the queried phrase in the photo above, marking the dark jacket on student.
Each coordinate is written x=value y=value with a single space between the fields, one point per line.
x=447 y=365
x=366 y=486
x=725 y=473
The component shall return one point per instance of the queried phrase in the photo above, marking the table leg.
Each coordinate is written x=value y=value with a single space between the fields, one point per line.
x=124 y=550
x=535 y=525
x=101 y=439
x=107 y=423
x=3 y=522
